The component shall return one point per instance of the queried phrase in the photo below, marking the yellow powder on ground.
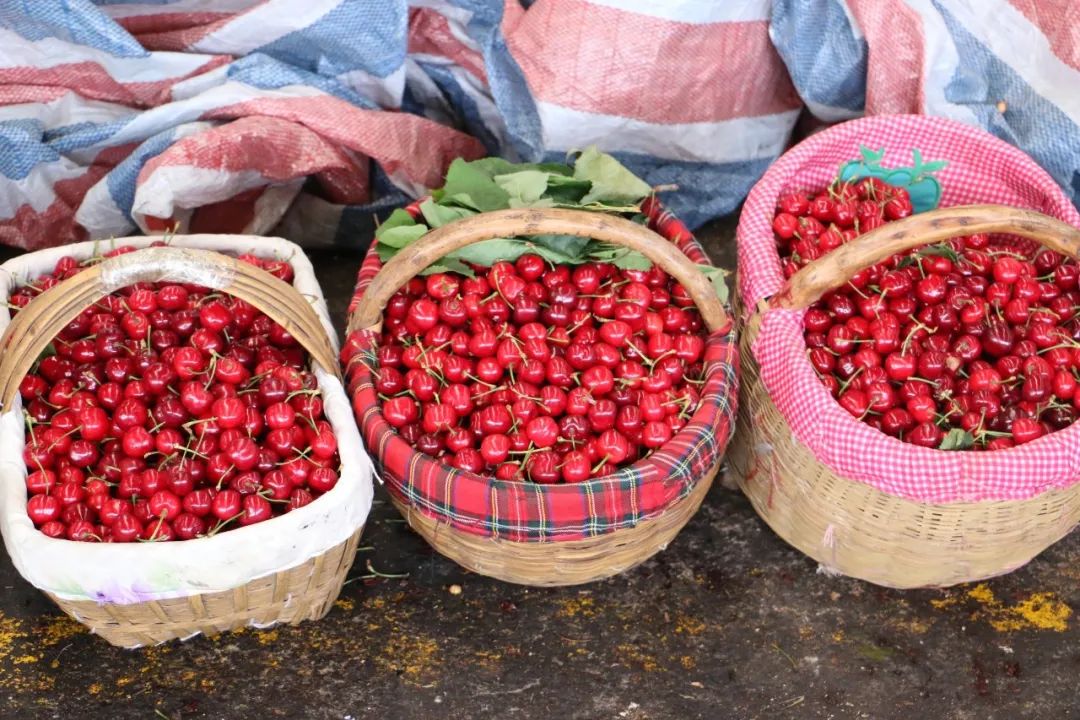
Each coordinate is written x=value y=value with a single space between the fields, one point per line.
x=631 y=655
x=689 y=625
x=579 y=606
x=59 y=628
x=487 y=658
x=11 y=631
x=1040 y=611
x=416 y=657
x=266 y=637
x=912 y=625
x=944 y=603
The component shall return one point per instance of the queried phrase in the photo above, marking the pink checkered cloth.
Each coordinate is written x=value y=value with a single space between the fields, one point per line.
x=981 y=169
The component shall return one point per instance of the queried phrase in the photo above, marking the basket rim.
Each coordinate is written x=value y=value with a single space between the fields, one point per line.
x=724 y=373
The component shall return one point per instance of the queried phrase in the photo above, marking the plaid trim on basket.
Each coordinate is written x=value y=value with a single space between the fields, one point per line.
x=525 y=511
x=981 y=169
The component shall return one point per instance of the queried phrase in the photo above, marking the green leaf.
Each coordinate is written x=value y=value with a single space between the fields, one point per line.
x=525 y=186
x=567 y=195
x=567 y=181
x=399 y=230
x=541 y=203
x=611 y=181
x=573 y=246
x=449 y=264
x=492 y=166
x=598 y=249
x=558 y=170
x=618 y=256
x=461 y=200
x=567 y=190
x=438 y=215
x=398 y=218
x=957 y=439
x=554 y=256
x=488 y=252
x=631 y=260
x=399 y=237
x=386 y=251
x=474 y=179
x=718 y=278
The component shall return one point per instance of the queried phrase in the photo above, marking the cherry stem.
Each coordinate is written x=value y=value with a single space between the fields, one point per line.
x=222 y=523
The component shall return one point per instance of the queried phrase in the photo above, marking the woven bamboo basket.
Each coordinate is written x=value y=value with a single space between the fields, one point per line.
x=856 y=529
x=293 y=592
x=554 y=560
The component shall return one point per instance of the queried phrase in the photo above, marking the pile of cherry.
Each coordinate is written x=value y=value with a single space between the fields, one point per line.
x=972 y=343
x=169 y=412
x=547 y=374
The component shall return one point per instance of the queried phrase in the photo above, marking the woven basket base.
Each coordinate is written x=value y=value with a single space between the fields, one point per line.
x=857 y=530
x=304 y=592
x=559 y=562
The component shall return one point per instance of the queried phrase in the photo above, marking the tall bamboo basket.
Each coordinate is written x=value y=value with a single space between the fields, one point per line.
x=854 y=528
x=292 y=594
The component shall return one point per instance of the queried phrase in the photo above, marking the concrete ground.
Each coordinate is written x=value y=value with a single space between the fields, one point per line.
x=728 y=622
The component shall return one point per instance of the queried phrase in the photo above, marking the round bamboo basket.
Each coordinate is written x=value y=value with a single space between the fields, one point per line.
x=293 y=594
x=555 y=562
x=849 y=526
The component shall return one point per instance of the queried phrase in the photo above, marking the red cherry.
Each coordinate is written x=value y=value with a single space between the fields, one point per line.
x=256 y=509
x=322 y=479
x=495 y=448
x=43 y=508
x=226 y=504
x=165 y=504
x=925 y=434
x=1025 y=430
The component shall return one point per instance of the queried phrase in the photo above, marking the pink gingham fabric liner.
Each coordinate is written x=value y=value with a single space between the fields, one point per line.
x=982 y=169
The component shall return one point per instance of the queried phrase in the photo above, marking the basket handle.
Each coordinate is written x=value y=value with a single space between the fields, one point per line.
x=507 y=223
x=34 y=327
x=806 y=286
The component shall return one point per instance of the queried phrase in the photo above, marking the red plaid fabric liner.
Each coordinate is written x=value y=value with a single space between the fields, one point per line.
x=981 y=169
x=530 y=512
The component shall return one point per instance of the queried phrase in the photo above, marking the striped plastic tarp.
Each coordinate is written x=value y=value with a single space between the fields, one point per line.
x=683 y=92
x=231 y=115
x=1011 y=67
x=305 y=117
